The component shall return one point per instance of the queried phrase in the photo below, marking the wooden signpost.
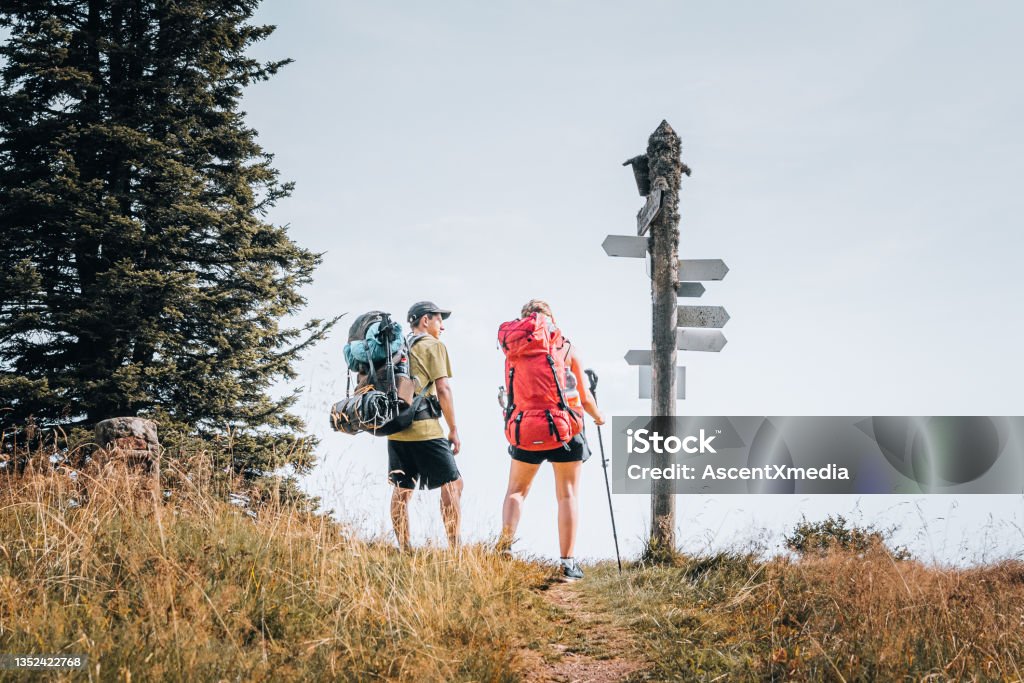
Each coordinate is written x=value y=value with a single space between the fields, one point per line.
x=673 y=326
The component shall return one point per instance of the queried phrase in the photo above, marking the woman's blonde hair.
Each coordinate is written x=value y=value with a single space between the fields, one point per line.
x=537 y=306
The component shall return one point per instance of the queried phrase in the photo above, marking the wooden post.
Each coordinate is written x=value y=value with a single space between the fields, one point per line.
x=666 y=169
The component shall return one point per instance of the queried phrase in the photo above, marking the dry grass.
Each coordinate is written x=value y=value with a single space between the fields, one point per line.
x=176 y=583
x=870 y=618
x=839 y=616
x=195 y=588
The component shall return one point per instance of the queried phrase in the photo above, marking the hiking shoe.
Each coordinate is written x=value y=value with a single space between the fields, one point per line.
x=571 y=570
x=503 y=549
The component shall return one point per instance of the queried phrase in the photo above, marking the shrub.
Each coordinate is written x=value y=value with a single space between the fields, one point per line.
x=834 y=534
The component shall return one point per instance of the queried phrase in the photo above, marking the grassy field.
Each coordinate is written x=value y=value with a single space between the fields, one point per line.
x=834 y=616
x=197 y=588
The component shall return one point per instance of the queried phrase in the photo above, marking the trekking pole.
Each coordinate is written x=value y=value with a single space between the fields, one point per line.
x=385 y=336
x=592 y=376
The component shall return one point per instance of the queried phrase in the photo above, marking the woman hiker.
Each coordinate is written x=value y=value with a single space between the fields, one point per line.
x=546 y=397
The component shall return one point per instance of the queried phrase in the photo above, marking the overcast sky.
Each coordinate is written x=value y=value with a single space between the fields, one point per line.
x=857 y=166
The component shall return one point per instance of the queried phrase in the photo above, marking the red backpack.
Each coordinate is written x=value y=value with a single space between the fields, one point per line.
x=537 y=415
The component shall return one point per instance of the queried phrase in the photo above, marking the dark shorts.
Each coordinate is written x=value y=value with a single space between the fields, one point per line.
x=578 y=452
x=429 y=464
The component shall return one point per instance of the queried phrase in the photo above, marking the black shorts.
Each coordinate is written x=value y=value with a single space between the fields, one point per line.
x=578 y=452
x=427 y=463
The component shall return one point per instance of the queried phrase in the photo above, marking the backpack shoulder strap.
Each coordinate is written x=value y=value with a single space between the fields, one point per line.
x=411 y=340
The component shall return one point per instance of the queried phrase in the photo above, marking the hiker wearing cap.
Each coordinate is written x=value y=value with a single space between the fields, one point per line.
x=546 y=398
x=422 y=455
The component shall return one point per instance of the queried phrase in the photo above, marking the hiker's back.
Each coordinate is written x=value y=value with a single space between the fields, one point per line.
x=428 y=360
x=538 y=415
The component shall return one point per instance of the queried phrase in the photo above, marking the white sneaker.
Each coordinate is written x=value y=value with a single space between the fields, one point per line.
x=571 y=569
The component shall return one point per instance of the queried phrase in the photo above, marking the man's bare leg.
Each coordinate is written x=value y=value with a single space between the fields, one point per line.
x=400 y=516
x=451 y=511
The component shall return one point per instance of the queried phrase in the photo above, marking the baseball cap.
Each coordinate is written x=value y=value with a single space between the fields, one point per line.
x=421 y=308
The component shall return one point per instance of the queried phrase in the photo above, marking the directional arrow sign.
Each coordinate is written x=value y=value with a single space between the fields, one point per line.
x=638 y=357
x=690 y=289
x=701 y=316
x=625 y=245
x=700 y=340
x=645 y=382
x=693 y=270
x=649 y=211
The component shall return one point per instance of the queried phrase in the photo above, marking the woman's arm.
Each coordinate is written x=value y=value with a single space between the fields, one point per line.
x=586 y=398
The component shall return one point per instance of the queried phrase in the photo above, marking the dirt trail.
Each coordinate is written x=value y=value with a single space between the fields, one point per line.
x=592 y=648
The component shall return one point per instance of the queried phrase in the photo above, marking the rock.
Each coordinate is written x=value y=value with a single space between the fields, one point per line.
x=132 y=440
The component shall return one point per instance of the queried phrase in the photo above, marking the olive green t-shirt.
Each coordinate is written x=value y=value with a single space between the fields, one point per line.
x=428 y=361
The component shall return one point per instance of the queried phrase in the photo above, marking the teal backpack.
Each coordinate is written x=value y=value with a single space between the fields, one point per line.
x=383 y=402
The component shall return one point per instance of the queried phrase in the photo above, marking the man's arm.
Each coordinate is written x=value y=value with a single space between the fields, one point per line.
x=444 y=397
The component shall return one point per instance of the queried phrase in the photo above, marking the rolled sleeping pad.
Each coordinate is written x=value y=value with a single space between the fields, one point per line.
x=363 y=412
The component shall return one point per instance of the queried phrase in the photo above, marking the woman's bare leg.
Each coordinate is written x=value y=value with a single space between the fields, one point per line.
x=567 y=484
x=520 y=477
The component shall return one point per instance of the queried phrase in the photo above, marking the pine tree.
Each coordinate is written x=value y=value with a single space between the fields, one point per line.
x=140 y=272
